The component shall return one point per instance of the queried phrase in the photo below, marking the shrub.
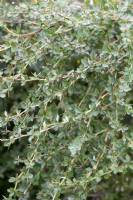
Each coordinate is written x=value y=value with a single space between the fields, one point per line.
x=66 y=85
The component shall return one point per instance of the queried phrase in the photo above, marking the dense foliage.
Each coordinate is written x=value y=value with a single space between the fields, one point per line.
x=66 y=96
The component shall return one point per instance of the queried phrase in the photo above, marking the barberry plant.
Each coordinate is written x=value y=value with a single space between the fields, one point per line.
x=66 y=96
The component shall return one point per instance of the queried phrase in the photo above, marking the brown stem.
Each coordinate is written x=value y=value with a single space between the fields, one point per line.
x=31 y=33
